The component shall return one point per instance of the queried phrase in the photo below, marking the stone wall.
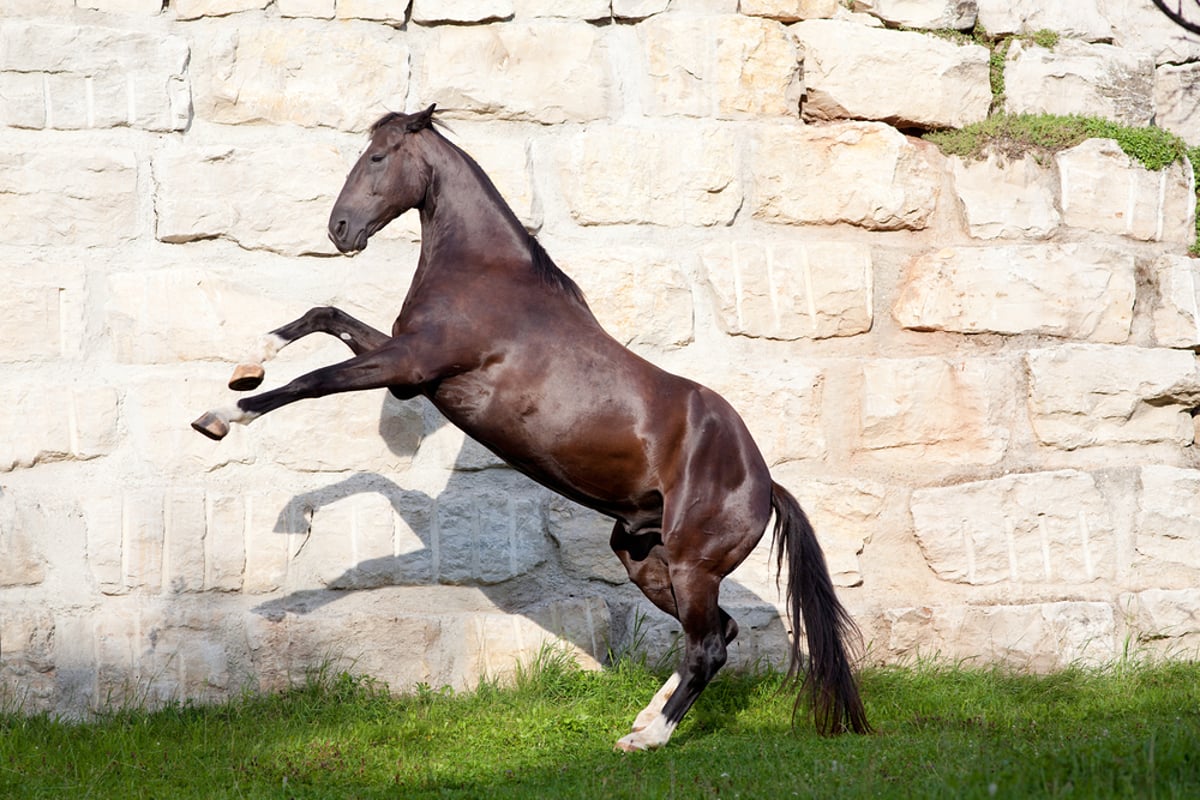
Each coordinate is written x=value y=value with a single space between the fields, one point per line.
x=978 y=376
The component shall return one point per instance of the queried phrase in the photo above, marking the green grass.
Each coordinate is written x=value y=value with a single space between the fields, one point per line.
x=1129 y=731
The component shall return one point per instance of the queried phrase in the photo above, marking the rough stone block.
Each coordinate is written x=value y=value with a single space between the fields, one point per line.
x=723 y=67
x=942 y=85
x=1036 y=528
x=1172 y=614
x=342 y=76
x=789 y=10
x=185 y=522
x=582 y=536
x=148 y=7
x=1177 y=100
x=1007 y=197
x=22 y=556
x=27 y=659
x=1168 y=520
x=1079 y=291
x=1083 y=395
x=869 y=174
x=638 y=9
x=489 y=531
x=1142 y=28
x=806 y=290
x=143 y=527
x=936 y=410
x=225 y=543
x=677 y=176
x=1177 y=316
x=105 y=536
x=48 y=422
x=1107 y=191
x=1078 y=19
x=781 y=407
x=60 y=195
x=547 y=71
x=277 y=524
x=427 y=12
x=319 y=9
x=1079 y=78
x=22 y=99
x=389 y=11
x=31 y=321
x=930 y=14
x=196 y=9
x=565 y=9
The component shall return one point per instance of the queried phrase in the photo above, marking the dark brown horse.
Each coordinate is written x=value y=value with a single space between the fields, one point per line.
x=504 y=345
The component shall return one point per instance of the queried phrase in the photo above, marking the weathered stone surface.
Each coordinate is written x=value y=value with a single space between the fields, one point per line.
x=781 y=406
x=31 y=321
x=1078 y=19
x=932 y=14
x=433 y=11
x=547 y=71
x=79 y=423
x=727 y=67
x=150 y=7
x=1168 y=520
x=936 y=410
x=319 y=9
x=1177 y=316
x=1080 y=291
x=255 y=197
x=1005 y=197
x=1078 y=78
x=282 y=72
x=809 y=290
x=386 y=11
x=565 y=9
x=490 y=533
x=789 y=10
x=582 y=537
x=195 y=9
x=70 y=76
x=27 y=663
x=942 y=84
x=638 y=9
x=22 y=556
x=1142 y=28
x=862 y=173
x=1166 y=613
x=1083 y=395
x=1107 y=191
x=57 y=195
x=641 y=297
x=616 y=175
x=1042 y=527
x=1177 y=100
x=1042 y=636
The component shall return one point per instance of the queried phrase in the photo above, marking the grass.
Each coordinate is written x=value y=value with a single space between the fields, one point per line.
x=943 y=731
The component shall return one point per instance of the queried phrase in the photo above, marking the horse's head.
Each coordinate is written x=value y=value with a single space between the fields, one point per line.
x=389 y=178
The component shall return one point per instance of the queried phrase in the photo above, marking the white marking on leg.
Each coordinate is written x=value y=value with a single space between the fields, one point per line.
x=345 y=337
x=233 y=415
x=266 y=349
x=657 y=702
x=654 y=735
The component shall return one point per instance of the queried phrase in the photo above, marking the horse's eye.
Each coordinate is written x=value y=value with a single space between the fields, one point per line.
x=376 y=158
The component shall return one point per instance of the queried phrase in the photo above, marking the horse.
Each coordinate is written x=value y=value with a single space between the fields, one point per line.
x=502 y=342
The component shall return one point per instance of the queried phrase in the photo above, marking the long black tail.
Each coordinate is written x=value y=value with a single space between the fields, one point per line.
x=829 y=680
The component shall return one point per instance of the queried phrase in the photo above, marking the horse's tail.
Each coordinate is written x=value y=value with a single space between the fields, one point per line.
x=829 y=680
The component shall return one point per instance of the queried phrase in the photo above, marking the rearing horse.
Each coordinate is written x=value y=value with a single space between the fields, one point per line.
x=503 y=344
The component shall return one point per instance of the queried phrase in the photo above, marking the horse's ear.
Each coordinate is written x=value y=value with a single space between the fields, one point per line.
x=421 y=120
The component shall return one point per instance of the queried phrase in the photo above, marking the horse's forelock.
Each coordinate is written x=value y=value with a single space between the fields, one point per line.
x=394 y=117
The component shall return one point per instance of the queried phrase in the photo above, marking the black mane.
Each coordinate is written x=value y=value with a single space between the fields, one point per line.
x=545 y=268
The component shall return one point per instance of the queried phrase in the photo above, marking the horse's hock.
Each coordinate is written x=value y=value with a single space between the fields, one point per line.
x=978 y=376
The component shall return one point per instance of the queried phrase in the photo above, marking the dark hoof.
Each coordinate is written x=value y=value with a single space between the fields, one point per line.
x=211 y=426
x=246 y=377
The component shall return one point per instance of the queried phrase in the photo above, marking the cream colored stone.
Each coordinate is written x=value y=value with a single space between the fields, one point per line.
x=810 y=290
x=53 y=422
x=149 y=7
x=1082 y=395
x=936 y=410
x=727 y=67
x=682 y=176
x=434 y=11
x=565 y=9
x=789 y=10
x=1079 y=291
x=638 y=9
x=1167 y=613
x=781 y=406
x=931 y=14
x=282 y=72
x=1142 y=28
x=1177 y=316
x=1007 y=197
x=22 y=555
x=1097 y=80
x=1168 y=521
x=547 y=71
x=1177 y=100
x=861 y=173
x=321 y=9
x=31 y=321
x=1107 y=191
x=941 y=85
x=388 y=11
x=195 y=9
x=1079 y=19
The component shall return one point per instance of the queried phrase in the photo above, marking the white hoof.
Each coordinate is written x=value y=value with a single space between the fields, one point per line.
x=651 y=737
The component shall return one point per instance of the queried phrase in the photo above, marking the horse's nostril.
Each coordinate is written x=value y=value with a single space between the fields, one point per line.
x=340 y=229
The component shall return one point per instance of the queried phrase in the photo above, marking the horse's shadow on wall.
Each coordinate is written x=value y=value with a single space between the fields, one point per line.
x=519 y=570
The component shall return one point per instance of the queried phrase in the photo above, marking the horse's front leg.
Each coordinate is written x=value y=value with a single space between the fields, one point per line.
x=360 y=337
x=392 y=366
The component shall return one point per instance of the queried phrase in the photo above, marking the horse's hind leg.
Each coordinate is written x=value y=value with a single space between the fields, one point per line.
x=359 y=336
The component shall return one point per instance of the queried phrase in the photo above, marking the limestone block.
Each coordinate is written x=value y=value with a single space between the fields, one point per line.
x=31 y=321
x=545 y=71
x=82 y=196
x=1106 y=191
x=22 y=556
x=340 y=76
x=943 y=84
x=434 y=11
x=1177 y=100
x=781 y=406
x=1006 y=197
x=255 y=197
x=1041 y=527
x=53 y=422
x=565 y=9
x=498 y=644
x=1167 y=613
x=1168 y=520
x=638 y=9
x=389 y=11
x=791 y=291
x=277 y=525
x=93 y=77
x=1079 y=291
x=1077 y=19
x=1177 y=316
x=861 y=173
x=1142 y=28
x=936 y=410
x=318 y=9
x=641 y=297
x=930 y=14
x=28 y=673
x=489 y=531
x=582 y=536
x=789 y=10
x=1079 y=78
x=1082 y=395
x=225 y=539
x=726 y=67
x=1041 y=636
x=150 y=7
x=105 y=535
x=185 y=524
x=676 y=176
x=195 y=9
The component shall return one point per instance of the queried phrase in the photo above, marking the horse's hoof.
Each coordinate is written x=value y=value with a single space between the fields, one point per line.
x=246 y=377
x=211 y=426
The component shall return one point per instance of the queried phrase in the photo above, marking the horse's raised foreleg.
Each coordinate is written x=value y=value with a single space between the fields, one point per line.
x=359 y=336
